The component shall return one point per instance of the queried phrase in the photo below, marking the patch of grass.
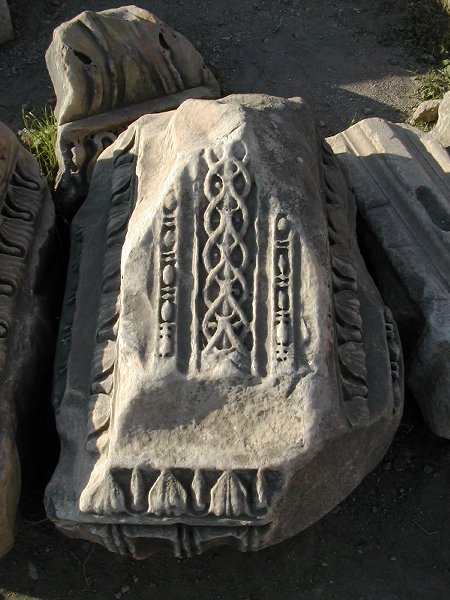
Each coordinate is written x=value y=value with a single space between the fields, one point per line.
x=39 y=137
x=436 y=83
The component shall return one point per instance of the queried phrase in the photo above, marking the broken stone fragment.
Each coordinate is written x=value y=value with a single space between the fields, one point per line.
x=426 y=112
x=226 y=371
x=441 y=130
x=108 y=69
x=402 y=184
x=26 y=238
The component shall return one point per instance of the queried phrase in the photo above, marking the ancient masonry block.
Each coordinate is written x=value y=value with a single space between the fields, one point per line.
x=402 y=184
x=108 y=69
x=226 y=371
x=26 y=236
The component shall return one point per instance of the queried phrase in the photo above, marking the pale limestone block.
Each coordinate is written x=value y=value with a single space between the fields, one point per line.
x=108 y=69
x=442 y=129
x=402 y=184
x=226 y=370
x=26 y=237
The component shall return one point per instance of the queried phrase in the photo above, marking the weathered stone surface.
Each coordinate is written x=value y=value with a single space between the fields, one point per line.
x=401 y=178
x=442 y=129
x=426 y=112
x=108 y=69
x=6 y=30
x=226 y=372
x=26 y=234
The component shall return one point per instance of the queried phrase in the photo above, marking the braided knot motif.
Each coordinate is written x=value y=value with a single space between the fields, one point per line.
x=225 y=254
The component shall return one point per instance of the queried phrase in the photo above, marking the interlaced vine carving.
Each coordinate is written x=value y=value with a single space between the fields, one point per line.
x=225 y=255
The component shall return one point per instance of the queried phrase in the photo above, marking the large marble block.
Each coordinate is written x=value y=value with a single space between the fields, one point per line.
x=108 y=69
x=401 y=178
x=26 y=243
x=226 y=370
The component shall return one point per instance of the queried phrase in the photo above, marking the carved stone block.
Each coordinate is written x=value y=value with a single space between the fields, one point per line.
x=26 y=236
x=108 y=69
x=402 y=183
x=226 y=371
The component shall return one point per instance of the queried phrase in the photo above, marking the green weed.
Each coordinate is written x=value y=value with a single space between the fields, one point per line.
x=436 y=83
x=39 y=137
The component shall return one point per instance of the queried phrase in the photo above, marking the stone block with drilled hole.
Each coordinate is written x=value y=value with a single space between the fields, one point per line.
x=402 y=184
x=26 y=244
x=226 y=371
x=108 y=69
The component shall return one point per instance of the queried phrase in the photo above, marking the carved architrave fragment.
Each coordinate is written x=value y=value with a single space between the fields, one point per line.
x=26 y=237
x=402 y=184
x=225 y=358
x=108 y=69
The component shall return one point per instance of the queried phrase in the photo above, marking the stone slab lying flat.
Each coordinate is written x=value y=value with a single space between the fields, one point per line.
x=26 y=238
x=401 y=178
x=108 y=69
x=226 y=370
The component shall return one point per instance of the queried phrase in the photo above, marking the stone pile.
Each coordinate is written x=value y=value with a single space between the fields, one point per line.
x=226 y=369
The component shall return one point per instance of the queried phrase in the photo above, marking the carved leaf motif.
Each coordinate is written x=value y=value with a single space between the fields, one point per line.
x=102 y=497
x=100 y=413
x=342 y=283
x=354 y=387
x=199 y=491
x=167 y=496
x=229 y=497
x=341 y=262
x=348 y=334
x=104 y=359
x=261 y=490
x=357 y=411
x=353 y=358
x=347 y=308
x=138 y=491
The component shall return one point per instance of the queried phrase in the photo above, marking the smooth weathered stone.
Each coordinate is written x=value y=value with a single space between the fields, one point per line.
x=6 y=29
x=226 y=372
x=26 y=237
x=442 y=129
x=402 y=183
x=108 y=69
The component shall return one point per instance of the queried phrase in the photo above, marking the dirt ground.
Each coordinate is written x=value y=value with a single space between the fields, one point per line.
x=390 y=540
